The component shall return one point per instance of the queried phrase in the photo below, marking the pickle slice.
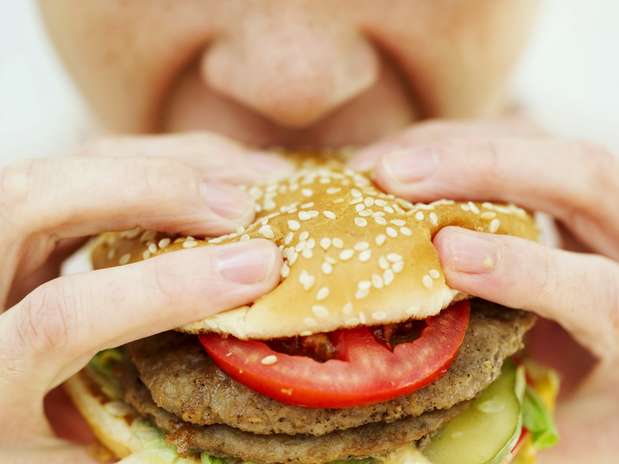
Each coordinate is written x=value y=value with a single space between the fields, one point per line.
x=487 y=430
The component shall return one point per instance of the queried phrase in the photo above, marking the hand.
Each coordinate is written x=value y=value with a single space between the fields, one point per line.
x=578 y=184
x=52 y=326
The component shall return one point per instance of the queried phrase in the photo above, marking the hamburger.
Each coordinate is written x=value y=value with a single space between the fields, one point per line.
x=361 y=354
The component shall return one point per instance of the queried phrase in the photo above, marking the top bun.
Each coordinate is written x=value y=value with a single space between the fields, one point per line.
x=353 y=255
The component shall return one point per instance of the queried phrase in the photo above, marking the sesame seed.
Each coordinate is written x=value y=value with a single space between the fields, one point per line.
x=311 y=243
x=433 y=218
x=310 y=322
x=285 y=270
x=164 y=242
x=267 y=232
x=380 y=239
x=347 y=309
x=473 y=207
x=325 y=243
x=435 y=274
x=124 y=259
x=304 y=235
x=338 y=242
x=306 y=280
x=391 y=232
x=398 y=222
x=152 y=248
x=111 y=253
x=244 y=237
x=365 y=213
x=269 y=360
x=388 y=276
x=379 y=315
x=332 y=190
x=322 y=293
x=359 y=207
x=419 y=216
x=355 y=193
x=406 y=231
x=368 y=201
x=383 y=263
x=494 y=225
x=364 y=284
x=307 y=192
x=320 y=311
x=426 y=280
x=394 y=257
x=288 y=238
x=377 y=281
x=488 y=215
x=326 y=268
x=388 y=209
x=146 y=254
x=304 y=215
x=329 y=214
x=380 y=220
x=464 y=207
x=365 y=255
x=360 y=246
x=361 y=293
x=307 y=205
x=360 y=222
x=397 y=267
x=346 y=254
x=190 y=243
x=307 y=253
x=306 y=333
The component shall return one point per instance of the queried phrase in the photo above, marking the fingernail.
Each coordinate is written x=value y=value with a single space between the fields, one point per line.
x=246 y=262
x=410 y=165
x=226 y=201
x=469 y=253
x=269 y=165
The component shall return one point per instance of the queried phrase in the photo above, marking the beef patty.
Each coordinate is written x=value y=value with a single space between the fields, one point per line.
x=185 y=382
x=369 y=440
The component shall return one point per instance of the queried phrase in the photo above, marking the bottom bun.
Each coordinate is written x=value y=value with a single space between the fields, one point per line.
x=118 y=427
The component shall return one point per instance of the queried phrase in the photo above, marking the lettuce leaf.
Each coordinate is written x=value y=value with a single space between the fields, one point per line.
x=538 y=420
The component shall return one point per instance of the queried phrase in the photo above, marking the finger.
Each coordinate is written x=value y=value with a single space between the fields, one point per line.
x=72 y=197
x=53 y=331
x=438 y=131
x=574 y=182
x=220 y=158
x=580 y=292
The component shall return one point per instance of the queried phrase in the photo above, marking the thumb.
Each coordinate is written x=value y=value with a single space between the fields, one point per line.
x=580 y=292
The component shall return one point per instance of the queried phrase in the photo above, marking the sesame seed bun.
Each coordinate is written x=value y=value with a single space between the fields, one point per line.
x=353 y=255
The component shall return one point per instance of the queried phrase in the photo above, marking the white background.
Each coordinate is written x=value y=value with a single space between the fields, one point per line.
x=568 y=79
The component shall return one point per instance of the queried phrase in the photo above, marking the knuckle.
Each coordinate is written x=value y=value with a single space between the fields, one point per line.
x=47 y=318
x=484 y=160
x=161 y=175
x=601 y=170
x=16 y=181
x=166 y=282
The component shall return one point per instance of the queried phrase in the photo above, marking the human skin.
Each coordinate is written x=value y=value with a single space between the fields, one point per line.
x=292 y=74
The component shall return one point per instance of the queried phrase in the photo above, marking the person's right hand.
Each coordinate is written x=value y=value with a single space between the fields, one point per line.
x=51 y=326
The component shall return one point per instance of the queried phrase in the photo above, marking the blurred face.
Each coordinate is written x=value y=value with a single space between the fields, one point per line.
x=311 y=73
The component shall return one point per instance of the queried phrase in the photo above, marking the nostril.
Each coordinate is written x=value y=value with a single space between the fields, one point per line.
x=291 y=81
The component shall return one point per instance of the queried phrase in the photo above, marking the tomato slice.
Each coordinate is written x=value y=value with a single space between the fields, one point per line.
x=363 y=371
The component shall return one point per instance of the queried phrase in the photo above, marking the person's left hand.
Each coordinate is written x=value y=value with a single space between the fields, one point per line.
x=575 y=182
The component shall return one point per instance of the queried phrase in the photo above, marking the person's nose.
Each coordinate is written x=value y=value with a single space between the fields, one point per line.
x=292 y=72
